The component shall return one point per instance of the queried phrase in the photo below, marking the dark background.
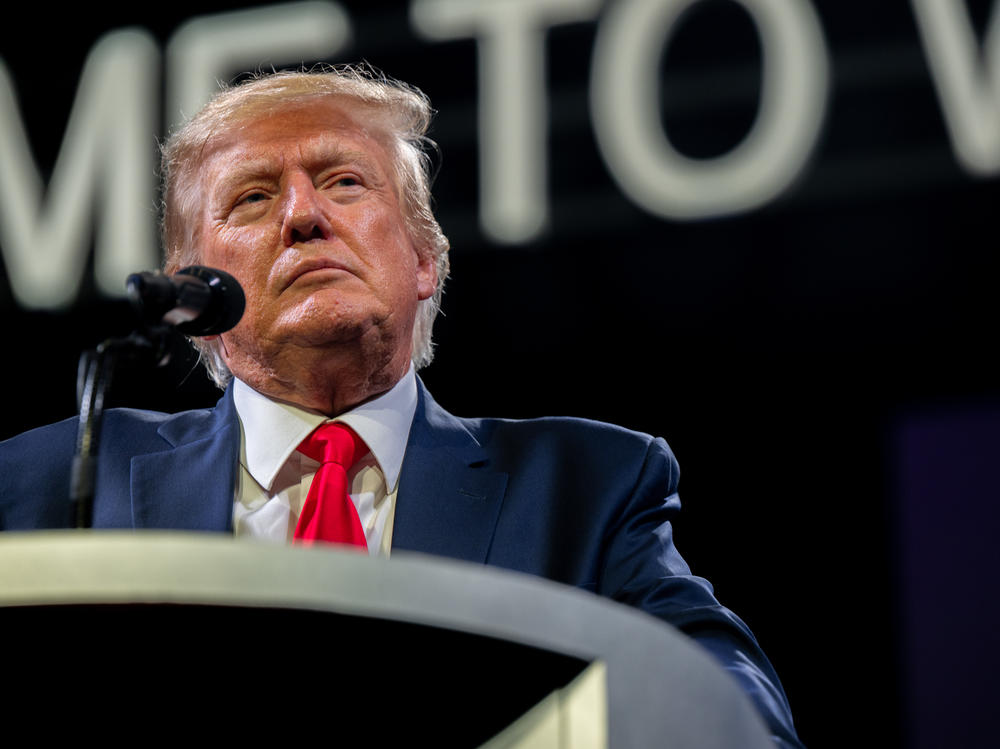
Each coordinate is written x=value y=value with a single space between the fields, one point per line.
x=787 y=354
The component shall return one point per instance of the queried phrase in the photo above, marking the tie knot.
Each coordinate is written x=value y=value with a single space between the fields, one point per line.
x=334 y=443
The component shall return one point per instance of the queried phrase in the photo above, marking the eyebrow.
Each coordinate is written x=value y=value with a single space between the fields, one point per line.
x=318 y=155
x=313 y=155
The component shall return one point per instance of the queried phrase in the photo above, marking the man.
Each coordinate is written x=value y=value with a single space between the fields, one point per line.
x=312 y=190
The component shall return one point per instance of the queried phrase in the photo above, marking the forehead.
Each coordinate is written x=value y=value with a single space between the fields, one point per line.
x=308 y=131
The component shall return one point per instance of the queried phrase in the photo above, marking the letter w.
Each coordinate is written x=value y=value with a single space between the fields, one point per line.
x=968 y=83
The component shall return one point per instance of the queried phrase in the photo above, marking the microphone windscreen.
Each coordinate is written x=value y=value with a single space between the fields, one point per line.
x=226 y=304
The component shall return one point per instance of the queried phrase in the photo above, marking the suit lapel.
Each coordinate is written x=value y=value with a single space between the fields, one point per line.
x=190 y=486
x=449 y=495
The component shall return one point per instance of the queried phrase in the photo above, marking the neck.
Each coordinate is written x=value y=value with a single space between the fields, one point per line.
x=324 y=383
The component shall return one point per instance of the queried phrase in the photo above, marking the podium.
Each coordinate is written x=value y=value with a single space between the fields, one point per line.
x=200 y=632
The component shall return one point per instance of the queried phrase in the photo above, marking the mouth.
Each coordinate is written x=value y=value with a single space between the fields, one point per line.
x=315 y=266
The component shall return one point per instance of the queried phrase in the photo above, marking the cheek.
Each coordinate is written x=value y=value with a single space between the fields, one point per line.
x=215 y=250
x=391 y=250
x=239 y=252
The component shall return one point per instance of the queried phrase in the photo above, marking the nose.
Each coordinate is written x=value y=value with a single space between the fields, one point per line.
x=303 y=218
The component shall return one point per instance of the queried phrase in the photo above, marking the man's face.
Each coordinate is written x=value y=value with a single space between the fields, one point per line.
x=301 y=207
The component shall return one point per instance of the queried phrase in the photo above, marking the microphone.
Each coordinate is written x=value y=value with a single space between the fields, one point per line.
x=196 y=300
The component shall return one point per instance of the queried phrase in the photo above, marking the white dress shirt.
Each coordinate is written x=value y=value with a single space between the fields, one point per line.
x=274 y=477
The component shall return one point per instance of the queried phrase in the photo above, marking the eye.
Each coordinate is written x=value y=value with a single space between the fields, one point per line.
x=343 y=180
x=253 y=197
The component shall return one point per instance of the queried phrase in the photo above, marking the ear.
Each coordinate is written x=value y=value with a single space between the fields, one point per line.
x=426 y=275
x=218 y=343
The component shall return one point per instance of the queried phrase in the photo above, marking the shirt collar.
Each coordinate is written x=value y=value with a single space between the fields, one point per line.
x=273 y=429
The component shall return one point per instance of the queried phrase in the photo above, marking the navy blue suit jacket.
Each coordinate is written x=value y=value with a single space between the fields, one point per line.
x=579 y=502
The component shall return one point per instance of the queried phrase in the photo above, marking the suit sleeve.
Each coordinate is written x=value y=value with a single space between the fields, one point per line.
x=35 y=478
x=643 y=568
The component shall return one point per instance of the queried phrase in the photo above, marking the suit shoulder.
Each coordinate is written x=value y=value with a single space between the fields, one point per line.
x=584 y=439
x=135 y=427
x=563 y=427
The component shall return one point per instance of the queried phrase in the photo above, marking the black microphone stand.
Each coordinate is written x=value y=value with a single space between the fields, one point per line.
x=196 y=301
x=94 y=375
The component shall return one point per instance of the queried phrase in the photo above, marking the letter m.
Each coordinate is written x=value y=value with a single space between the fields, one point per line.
x=105 y=170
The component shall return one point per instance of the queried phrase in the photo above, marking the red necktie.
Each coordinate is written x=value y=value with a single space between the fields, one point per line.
x=328 y=513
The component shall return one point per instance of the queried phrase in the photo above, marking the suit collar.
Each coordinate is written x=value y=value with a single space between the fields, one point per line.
x=190 y=486
x=449 y=494
x=272 y=429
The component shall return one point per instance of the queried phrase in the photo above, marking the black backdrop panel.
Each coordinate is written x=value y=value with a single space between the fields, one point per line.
x=777 y=350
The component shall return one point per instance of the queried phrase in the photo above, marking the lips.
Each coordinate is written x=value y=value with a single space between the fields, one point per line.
x=312 y=265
